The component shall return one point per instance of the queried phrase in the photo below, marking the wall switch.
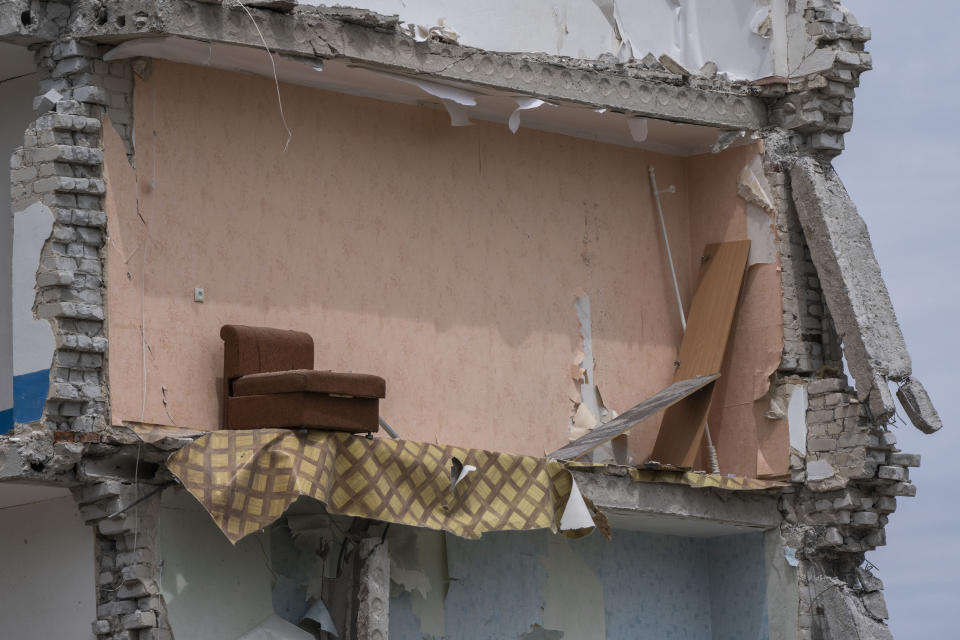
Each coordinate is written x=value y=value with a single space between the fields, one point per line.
x=198 y=294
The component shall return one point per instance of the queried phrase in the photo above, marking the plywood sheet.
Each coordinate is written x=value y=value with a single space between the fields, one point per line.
x=626 y=420
x=701 y=351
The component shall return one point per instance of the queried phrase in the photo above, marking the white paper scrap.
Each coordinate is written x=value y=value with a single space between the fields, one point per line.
x=442 y=91
x=576 y=515
x=467 y=470
x=638 y=128
x=522 y=105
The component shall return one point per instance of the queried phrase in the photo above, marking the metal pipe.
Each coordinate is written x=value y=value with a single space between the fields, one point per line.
x=714 y=464
x=388 y=428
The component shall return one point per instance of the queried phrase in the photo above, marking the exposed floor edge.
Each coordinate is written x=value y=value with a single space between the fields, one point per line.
x=320 y=33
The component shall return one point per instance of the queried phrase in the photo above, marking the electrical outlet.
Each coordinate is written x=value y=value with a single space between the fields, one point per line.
x=198 y=294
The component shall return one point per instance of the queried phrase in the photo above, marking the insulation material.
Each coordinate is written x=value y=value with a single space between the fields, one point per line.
x=246 y=479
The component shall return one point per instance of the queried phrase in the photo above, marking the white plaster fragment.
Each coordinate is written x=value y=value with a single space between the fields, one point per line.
x=753 y=187
x=422 y=33
x=763 y=242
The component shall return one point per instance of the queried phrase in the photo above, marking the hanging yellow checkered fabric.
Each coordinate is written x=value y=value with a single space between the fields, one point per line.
x=246 y=479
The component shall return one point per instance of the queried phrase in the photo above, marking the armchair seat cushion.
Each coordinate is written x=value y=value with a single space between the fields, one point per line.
x=357 y=385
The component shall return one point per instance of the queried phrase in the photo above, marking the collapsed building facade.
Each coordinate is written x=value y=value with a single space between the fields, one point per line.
x=524 y=246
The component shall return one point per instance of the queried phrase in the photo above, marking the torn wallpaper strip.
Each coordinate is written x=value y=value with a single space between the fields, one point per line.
x=246 y=479
x=522 y=105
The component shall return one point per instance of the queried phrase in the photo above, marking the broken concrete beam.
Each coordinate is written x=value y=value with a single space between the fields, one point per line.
x=373 y=590
x=852 y=284
x=915 y=401
x=315 y=32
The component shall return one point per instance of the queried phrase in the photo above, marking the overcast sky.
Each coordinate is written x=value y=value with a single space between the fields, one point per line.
x=902 y=168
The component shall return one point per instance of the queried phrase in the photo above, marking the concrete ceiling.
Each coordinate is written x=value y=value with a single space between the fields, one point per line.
x=487 y=104
x=14 y=61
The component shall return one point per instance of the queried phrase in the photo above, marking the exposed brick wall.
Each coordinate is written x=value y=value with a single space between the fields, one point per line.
x=61 y=166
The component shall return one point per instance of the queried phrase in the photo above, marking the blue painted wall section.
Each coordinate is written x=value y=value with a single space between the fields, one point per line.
x=29 y=394
x=738 y=579
x=654 y=586
x=6 y=420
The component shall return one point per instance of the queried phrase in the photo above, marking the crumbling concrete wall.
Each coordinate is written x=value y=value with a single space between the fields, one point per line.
x=853 y=475
x=59 y=168
x=815 y=100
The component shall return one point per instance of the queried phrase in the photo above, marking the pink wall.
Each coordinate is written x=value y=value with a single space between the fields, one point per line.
x=747 y=443
x=444 y=259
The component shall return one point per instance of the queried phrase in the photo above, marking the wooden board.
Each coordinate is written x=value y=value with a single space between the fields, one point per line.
x=701 y=350
x=626 y=420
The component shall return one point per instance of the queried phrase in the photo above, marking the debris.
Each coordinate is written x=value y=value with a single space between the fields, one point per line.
x=850 y=277
x=708 y=70
x=673 y=66
x=439 y=31
x=915 y=401
x=46 y=102
x=626 y=420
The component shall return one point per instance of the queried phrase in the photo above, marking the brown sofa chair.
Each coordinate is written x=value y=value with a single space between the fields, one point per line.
x=269 y=382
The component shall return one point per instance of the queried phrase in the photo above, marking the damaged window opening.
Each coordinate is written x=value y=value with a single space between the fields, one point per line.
x=609 y=288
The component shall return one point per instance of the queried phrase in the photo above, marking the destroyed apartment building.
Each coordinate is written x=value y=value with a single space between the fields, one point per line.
x=530 y=320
